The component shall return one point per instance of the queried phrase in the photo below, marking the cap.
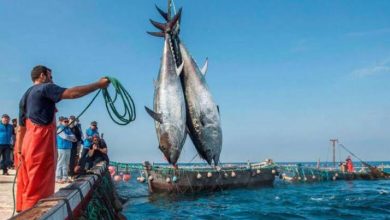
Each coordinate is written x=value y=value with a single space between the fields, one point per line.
x=65 y=119
x=72 y=117
x=5 y=116
x=94 y=123
x=61 y=118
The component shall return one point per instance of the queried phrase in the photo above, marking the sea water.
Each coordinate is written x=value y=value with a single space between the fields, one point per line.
x=359 y=199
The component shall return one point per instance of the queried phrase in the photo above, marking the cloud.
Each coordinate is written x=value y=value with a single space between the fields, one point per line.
x=372 y=32
x=379 y=68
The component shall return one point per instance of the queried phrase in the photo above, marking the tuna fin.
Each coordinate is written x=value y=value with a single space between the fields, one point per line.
x=156 y=34
x=162 y=13
x=179 y=69
x=205 y=66
x=154 y=115
x=218 y=109
x=174 y=20
x=154 y=83
x=158 y=25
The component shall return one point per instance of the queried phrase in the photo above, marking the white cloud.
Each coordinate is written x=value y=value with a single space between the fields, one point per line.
x=379 y=68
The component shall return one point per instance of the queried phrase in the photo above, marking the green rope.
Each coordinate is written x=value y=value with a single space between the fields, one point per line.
x=129 y=114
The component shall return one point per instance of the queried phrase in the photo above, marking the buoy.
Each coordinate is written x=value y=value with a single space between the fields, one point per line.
x=117 y=178
x=233 y=174
x=199 y=176
x=305 y=179
x=113 y=173
x=141 y=179
x=174 y=179
x=150 y=178
x=168 y=180
x=126 y=177
x=209 y=174
x=111 y=169
x=314 y=177
x=299 y=178
x=273 y=171
x=334 y=177
x=336 y=174
x=226 y=175
x=258 y=171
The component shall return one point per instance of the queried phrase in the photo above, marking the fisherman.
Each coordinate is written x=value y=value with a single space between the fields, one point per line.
x=6 y=133
x=349 y=164
x=89 y=133
x=97 y=152
x=75 y=127
x=65 y=138
x=36 y=134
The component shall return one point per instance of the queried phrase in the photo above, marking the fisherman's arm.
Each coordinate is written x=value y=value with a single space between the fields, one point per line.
x=79 y=91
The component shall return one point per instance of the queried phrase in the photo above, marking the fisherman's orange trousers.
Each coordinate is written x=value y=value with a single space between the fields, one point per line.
x=36 y=175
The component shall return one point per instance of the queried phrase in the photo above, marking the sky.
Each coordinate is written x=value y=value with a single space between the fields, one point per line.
x=287 y=75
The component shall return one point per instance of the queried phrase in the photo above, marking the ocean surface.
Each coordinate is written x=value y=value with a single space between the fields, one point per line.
x=323 y=200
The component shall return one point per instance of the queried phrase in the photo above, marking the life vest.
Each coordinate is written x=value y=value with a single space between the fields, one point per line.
x=62 y=143
x=5 y=133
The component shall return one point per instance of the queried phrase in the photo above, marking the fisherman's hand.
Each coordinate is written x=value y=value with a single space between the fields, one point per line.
x=103 y=82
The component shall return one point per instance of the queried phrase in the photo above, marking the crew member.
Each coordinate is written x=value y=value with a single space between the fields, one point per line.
x=75 y=127
x=89 y=133
x=37 y=132
x=349 y=164
x=97 y=152
x=65 y=138
x=6 y=133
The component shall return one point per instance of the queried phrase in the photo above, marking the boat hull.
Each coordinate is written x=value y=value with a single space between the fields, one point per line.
x=188 y=180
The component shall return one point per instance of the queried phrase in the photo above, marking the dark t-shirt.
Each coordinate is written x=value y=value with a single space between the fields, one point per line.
x=38 y=103
x=97 y=154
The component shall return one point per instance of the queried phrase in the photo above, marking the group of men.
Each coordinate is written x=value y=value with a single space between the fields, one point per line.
x=72 y=159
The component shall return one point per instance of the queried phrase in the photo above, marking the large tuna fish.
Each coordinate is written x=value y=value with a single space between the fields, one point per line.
x=203 y=119
x=169 y=105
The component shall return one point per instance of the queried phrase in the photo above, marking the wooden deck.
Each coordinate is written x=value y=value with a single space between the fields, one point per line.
x=6 y=198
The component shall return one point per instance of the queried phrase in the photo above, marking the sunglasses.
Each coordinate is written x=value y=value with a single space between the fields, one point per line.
x=66 y=121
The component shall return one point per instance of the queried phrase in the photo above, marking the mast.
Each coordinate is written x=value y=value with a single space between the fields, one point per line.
x=334 y=141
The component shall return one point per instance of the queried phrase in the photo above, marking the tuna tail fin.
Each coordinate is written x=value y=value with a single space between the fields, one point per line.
x=205 y=66
x=167 y=27
x=156 y=34
x=158 y=25
x=156 y=116
x=162 y=13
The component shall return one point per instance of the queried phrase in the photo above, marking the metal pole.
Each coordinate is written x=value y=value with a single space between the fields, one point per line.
x=334 y=141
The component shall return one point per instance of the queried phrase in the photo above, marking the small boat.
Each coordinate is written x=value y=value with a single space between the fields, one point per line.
x=192 y=179
x=300 y=173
